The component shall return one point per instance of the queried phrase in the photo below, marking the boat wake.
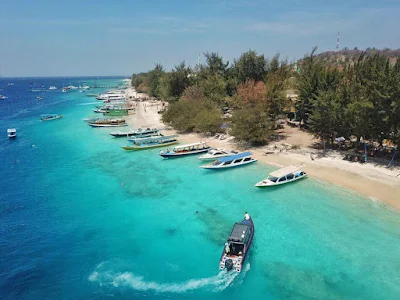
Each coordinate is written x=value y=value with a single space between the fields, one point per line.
x=215 y=283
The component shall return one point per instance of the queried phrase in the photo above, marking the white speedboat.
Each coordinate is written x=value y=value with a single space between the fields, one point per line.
x=52 y=87
x=184 y=150
x=214 y=154
x=2 y=97
x=282 y=176
x=237 y=160
x=12 y=133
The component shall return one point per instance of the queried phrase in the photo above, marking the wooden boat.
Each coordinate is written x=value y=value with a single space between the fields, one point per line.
x=188 y=149
x=140 y=133
x=116 y=112
x=214 y=154
x=237 y=160
x=282 y=176
x=12 y=133
x=237 y=245
x=148 y=132
x=50 y=117
x=152 y=142
x=108 y=123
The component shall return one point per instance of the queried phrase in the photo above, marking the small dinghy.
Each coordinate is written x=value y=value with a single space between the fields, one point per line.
x=237 y=246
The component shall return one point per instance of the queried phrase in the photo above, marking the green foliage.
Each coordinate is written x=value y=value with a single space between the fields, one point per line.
x=360 y=99
x=198 y=116
x=251 y=124
x=154 y=81
x=179 y=80
x=250 y=66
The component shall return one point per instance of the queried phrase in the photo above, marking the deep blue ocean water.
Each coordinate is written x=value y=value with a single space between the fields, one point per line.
x=82 y=219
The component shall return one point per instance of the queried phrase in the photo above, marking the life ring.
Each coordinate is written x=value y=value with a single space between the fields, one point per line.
x=238 y=270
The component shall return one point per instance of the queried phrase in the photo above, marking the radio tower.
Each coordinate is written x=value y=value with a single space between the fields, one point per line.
x=338 y=41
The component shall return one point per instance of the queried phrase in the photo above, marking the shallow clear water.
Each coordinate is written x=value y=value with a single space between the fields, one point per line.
x=83 y=219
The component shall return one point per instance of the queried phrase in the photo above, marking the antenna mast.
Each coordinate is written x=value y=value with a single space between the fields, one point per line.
x=338 y=41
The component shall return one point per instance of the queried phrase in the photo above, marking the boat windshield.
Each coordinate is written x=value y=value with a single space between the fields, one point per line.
x=273 y=179
x=236 y=248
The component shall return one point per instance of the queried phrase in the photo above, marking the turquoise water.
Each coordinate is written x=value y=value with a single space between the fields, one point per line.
x=83 y=219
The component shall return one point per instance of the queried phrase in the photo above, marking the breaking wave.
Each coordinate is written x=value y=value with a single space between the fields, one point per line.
x=215 y=283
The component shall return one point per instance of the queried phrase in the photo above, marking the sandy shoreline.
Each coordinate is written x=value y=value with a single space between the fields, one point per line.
x=374 y=182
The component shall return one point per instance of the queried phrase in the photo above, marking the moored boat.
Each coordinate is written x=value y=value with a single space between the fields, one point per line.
x=2 y=97
x=152 y=142
x=52 y=87
x=237 y=245
x=49 y=117
x=282 y=176
x=148 y=132
x=214 y=154
x=116 y=112
x=12 y=133
x=236 y=160
x=188 y=149
x=140 y=133
x=107 y=123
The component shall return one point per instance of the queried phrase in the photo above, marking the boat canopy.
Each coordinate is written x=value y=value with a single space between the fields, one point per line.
x=286 y=170
x=49 y=115
x=189 y=145
x=239 y=232
x=153 y=139
x=11 y=130
x=232 y=157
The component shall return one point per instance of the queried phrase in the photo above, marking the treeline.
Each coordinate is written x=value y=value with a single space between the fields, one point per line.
x=251 y=88
x=360 y=99
x=363 y=99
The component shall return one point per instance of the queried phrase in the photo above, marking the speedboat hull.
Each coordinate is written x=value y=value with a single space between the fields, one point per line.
x=223 y=167
x=238 y=243
x=268 y=183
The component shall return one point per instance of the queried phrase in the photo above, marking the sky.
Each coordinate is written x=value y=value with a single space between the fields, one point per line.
x=121 y=37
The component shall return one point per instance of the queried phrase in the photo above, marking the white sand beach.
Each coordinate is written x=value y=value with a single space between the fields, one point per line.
x=377 y=183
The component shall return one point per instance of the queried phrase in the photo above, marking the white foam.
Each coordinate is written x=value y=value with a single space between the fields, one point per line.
x=216 y=283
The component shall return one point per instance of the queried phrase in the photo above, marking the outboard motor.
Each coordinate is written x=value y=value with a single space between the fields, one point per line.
x=229 y=264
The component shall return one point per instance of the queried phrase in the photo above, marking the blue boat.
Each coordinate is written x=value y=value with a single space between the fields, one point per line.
x=237 y=160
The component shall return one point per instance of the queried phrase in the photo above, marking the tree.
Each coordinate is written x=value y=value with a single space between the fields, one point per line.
x=251 y=124
x=154 y=80
x=214 y=64
x=325 y=119
x=179 y=80
x=193 y=93
x=251 y=93
x=250 y=66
